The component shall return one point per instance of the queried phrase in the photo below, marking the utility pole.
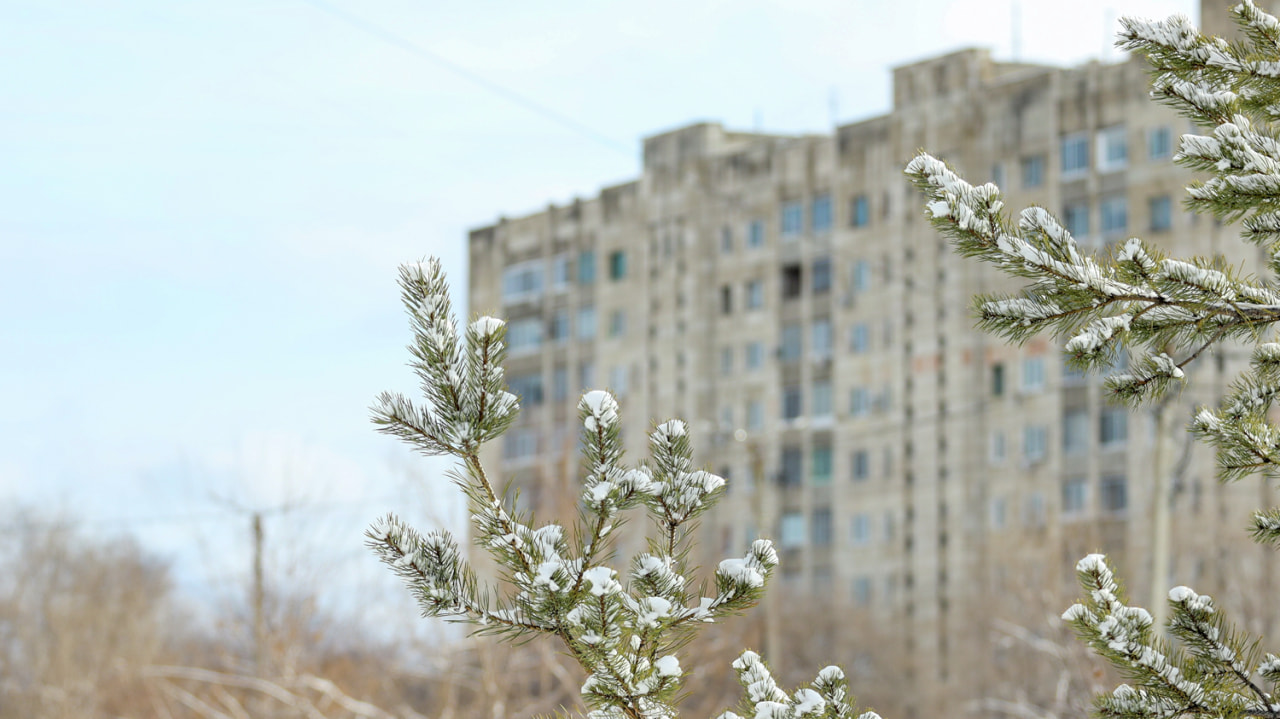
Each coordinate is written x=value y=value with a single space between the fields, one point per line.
x=258 y=587
x=259 y=593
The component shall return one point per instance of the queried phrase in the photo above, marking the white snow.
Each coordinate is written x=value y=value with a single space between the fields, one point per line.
x=808 y=702
x=1093 y=563
x=1096 y=334
x=764 y=551
x=741 y=572
x=601 y=409
x=486 y=326
x=650 y=610
x=602 y=581
x=670 y=429
x=668 y=666
x=1206 y=279
x=1166 y=366
x=830 y=674
x=600 y=491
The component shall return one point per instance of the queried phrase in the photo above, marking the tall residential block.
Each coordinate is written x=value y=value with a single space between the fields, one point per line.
x=787 y=296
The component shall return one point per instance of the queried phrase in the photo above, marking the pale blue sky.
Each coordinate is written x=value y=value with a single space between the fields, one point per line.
x=202 y=205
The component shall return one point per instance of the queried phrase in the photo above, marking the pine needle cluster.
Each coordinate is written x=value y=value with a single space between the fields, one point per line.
x=624 y=627
x=1166 y=313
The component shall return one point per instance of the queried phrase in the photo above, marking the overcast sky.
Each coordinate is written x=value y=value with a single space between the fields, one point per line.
x=202 y=205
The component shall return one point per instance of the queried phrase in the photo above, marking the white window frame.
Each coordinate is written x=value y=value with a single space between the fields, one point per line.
x=1113 y=148
x=1074 y=140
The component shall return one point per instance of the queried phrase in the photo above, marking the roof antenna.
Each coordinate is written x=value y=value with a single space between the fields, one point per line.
x=1108 y=34
x=1015 y=29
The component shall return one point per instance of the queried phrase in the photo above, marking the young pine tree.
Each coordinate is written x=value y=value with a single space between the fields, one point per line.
x=1166 y=312
x=624 y=626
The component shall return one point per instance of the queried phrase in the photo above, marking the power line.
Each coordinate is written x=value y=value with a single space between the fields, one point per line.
x=227 y=515
x=502 y=91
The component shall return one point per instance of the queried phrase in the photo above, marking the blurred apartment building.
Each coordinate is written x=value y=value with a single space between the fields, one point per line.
x=787 y=296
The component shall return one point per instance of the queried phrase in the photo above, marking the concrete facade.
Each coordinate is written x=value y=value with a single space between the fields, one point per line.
x=786 y=295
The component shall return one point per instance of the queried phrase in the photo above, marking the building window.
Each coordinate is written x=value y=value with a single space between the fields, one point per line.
x=587 y=322
x=792 y=467
x=859 y=401
x=1161 y=209
x=1033 y=374
x=726 y=424
x=1115 y=215
x=726 y=239
x=792 y=219
x=755 y=415
x=996 y=516
x=522 y=281
x=820 y=338
x=821 y=529
x=1035 y=443
x=862 y=591
x=560 y=384
x=1113 y=493
x=560 y=274
x=586 y=267
x=820 y=214
x=1075 y=431
x=821 y=400
x=792 y=281
x=524 y=336
x=996 y=452
x=1075 y=154
x=1159 y=142
x=560 y=326
x=860 y=530
x=755 y=294
x=820 y=465
x=726 y=361
x=792 y=342
x=859 y=339
x=755 y=355
x=618 y=380
x=587 y=374
x=726 y=300
x=859 y=212
x=527 y=388
x=861 y=276
x=755 y=234
x=1033 y=171
x=792 y=402
x=1113 y=426
x=1033 y=510
x=520 y=443
x=1075 y=218
x=1113 y=149
x=791 y=530
x=1075 y=496
x=617 y=265
x=861 y=465
x=821 y=276
x=997 y=174
x=617 y=323
x=997 y=380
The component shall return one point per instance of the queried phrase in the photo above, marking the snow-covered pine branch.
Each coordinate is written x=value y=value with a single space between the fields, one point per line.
x=1166 y=312
x=623 y=628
